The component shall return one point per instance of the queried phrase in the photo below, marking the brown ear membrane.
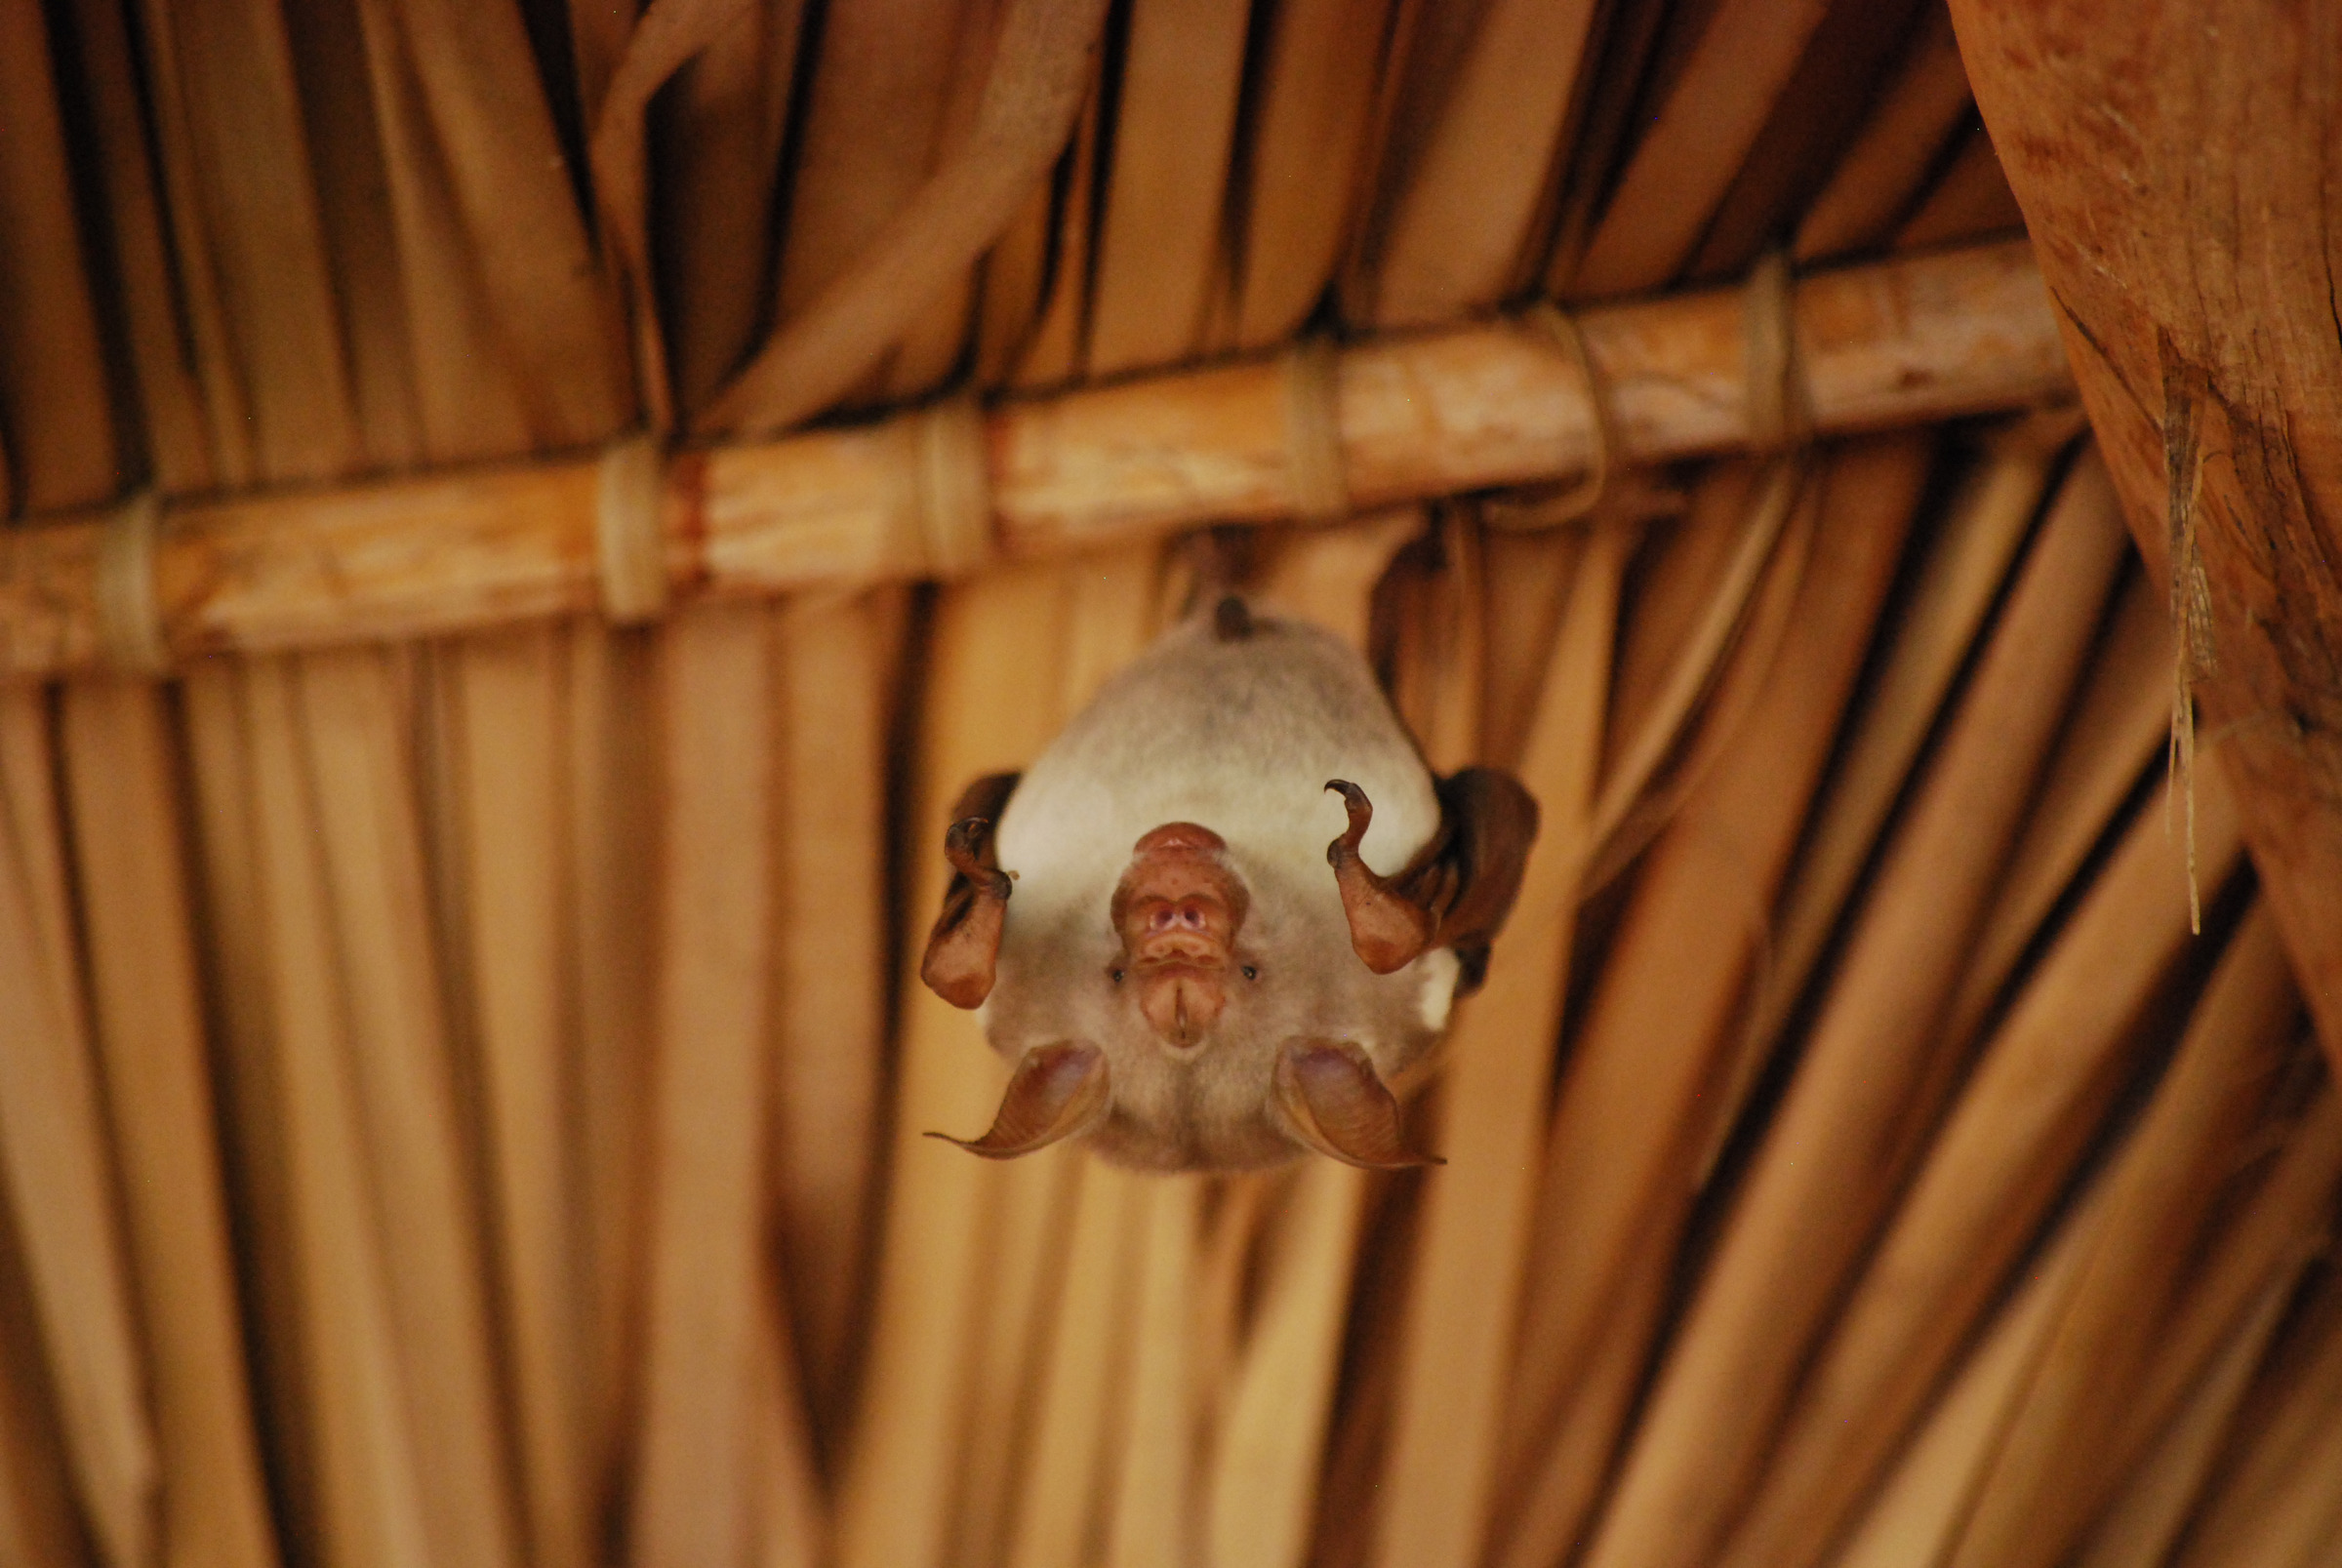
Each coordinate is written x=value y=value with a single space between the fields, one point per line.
x=964 y=945
x=1058 y=1091
x=1386 y=928
x=1328 y=1097
x=1457 y=890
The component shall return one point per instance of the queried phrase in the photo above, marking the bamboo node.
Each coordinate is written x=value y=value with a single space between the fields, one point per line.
x=1594 y=486
x=1780 y=398
x=130 y=627
x=953 y=475
x=1313 y=430
x=629 y=543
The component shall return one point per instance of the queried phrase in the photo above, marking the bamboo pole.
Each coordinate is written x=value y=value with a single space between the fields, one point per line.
x=132 y=875
x=1905 y=341
x=1638 y=1104
x=1868 y=1075
x=55 y=1162
x=2030 y=1105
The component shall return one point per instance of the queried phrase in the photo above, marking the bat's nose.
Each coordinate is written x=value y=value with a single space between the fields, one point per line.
x=1176 y=917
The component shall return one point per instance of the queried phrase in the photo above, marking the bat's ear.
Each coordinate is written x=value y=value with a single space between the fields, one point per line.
x=1058 y=1091
x=1459 y=886
x=964 y=945
x=1326 y=1095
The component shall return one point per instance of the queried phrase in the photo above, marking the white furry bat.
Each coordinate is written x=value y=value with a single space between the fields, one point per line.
x=1179 y=978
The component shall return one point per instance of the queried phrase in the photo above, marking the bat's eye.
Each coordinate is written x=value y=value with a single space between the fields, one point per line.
x=1251 y=973
x=1114 y=974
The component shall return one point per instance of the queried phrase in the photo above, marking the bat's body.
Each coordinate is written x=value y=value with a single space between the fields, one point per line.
x=1178 y=974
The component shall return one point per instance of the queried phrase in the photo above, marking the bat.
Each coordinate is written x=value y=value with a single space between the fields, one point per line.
x=1223 y=910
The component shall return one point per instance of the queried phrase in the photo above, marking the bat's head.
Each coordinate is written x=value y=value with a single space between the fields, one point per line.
x=1214 y=1014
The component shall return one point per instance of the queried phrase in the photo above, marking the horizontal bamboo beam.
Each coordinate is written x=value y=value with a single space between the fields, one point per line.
x=936 y=491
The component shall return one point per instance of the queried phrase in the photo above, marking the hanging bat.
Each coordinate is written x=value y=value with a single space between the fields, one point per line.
x=1155 y=929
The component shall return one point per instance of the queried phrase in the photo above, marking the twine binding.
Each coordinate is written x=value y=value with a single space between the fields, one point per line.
x=1313 y=430
x=1594 y=485
x=629 y=542
x=953 y=477
x=130 y=627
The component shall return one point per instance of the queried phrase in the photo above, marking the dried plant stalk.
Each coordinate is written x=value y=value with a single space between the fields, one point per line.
x=1069 y=1478
x=1262 y=1487
x=2280 y=1502
x=1472 y=1249
x=516 y=875
x=1639 y=1101
x=1699 y=135
x=54 y=398
x=1915 y=115
x=54 y=1157
x=834 y=681
x=38 y=1526
x=2158 y=1293
x=2144 y=1522
x=1160 y=247
x=1915 y=1514
x=1302 y=156
x=1474 y=134
x=2028 y=1110
x=693 y=1486
x=1958 y=580
x=245 y=226
x=1864 y=1084
x=368 y=1503
x=131 y=876
x=995 y=639
x=611 y=769
x=2118 y=726
x=359 y=750
x=1155 y=1523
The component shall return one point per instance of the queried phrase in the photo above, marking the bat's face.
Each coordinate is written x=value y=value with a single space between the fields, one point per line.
x=1187 y=986
x=1184 y=970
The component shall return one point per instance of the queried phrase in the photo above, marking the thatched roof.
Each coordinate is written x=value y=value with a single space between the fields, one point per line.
x=523 y=516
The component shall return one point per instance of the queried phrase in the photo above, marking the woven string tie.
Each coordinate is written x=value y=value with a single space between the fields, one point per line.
x=629 y=542
x=130 y=627
x=1563 y=328
x=1780 y=399
x=1313 y=430
x=953 y=478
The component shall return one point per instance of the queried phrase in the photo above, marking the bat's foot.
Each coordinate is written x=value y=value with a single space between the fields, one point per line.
x=1232 y=619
